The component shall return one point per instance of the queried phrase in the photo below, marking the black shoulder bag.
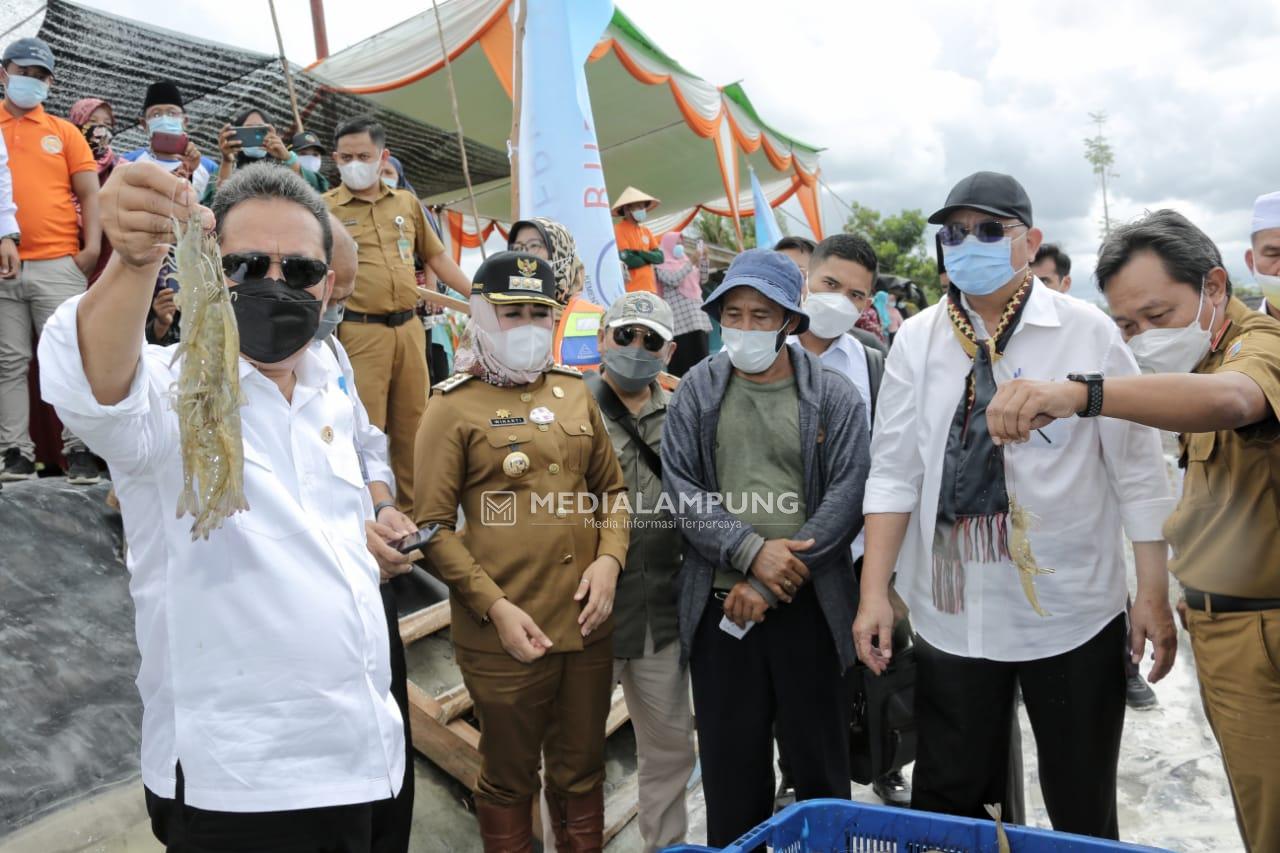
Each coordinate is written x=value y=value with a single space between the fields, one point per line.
x=616 y=411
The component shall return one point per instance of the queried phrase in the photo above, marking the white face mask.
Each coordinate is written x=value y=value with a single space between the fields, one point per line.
x=525 y=347
x=310 y=162
x=1173 y=350
x=1270 y=287
x=751 y=352
x=360 y=176
x=830 y=314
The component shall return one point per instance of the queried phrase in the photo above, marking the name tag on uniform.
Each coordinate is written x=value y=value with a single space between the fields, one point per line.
x=501 y=422
x=406 y=250
x=350 y=222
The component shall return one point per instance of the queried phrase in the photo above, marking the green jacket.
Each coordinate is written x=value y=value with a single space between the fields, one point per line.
x=646 y=595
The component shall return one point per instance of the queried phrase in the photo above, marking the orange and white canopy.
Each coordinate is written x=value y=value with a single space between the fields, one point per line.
x=684 y=140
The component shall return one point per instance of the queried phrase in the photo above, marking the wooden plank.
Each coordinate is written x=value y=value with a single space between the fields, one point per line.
x=454 y=703
x=424 y=622
x=453 y=747
x=617 y=713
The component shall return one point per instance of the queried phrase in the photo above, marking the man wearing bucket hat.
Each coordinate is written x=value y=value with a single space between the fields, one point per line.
x=764 y=457
x=639 y=251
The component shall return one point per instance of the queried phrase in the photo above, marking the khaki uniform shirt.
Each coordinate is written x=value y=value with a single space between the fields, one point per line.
x=647 y=593
x=528 y=536
x=388 y=233
x=1225 y=531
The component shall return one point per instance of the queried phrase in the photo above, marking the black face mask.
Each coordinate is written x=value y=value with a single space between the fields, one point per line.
x=275 y=321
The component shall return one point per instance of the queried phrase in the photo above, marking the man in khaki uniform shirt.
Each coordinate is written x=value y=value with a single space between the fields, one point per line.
x=1217 y=382
x=380 y=330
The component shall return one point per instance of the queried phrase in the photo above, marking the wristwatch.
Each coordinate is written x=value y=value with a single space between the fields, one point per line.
x=1093 y=382
x=380 y=507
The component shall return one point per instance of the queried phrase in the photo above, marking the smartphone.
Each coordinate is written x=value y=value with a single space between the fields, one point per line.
x=169 y=143
x=414 y=541
x=251 y=137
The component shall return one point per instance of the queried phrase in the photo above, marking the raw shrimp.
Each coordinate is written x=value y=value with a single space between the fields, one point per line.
x=208 y=397
x=1020 y=522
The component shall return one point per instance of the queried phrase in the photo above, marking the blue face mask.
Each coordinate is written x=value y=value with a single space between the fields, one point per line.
x=254 y=152
x=27 y=93
x=164 y=124
x=640 y=214
x=979 y=268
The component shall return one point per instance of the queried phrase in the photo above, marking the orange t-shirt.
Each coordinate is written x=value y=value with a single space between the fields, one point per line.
x=631 y=235
x=44 y=152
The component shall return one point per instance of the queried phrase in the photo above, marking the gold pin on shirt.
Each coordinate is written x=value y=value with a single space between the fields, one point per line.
x=327 y=434
x=526 y=397
x=557 y=391
x=516 y=464
x=503 y=413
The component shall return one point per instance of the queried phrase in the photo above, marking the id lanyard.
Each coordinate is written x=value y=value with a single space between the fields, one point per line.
x=403 y=244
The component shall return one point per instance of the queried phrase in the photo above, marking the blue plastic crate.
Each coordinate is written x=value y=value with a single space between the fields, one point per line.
x=839 y=826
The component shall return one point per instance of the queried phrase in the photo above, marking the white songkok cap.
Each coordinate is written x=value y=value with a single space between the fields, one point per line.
x=1266 y=212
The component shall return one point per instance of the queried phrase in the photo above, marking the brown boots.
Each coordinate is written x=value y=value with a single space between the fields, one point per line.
x=577 y=821
x=506 y=829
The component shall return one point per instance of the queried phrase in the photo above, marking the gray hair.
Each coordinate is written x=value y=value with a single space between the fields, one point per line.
x=1186 y=252
x=272 y=181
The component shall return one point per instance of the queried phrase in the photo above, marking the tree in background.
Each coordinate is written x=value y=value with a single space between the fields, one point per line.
x=718 y=230
x=1097 y=150
x=900 y=244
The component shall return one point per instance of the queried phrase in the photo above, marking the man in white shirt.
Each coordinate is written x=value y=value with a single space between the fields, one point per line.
x=9 y=231
x=1053 y=267
x=267 y=717
x=1010 y=558
x=1263 y=254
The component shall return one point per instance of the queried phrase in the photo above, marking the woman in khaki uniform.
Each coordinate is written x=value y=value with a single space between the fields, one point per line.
x=519 y=445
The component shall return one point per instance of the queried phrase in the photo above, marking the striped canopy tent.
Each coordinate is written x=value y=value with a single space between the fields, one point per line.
x=659 y=127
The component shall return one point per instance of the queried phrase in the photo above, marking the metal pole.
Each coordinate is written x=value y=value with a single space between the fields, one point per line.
x=318 y=28
x=517 y=98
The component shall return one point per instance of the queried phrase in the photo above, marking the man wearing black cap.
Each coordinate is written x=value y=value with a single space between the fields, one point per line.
x=310 y=152
x=1010 y=558
x=164 y=118
x=58 y=246
x=764 y=456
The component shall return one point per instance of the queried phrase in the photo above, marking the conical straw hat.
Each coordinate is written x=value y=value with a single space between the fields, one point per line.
x=631 y=195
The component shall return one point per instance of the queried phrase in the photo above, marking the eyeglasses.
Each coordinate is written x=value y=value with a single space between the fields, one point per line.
x=623 y=336
x=987 y=231
x=299 y=272
x=532 y=247
x=169 y=113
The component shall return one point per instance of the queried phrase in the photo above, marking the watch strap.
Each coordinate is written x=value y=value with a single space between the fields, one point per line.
x=1093 y=386
x=380 y=506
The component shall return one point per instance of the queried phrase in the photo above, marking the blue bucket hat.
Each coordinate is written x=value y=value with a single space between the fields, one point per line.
x=772 y=274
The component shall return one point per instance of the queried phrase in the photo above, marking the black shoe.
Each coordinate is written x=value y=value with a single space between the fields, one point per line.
x=82 y=468
x=893 y=789
x=17 y=466
x=1138 y=695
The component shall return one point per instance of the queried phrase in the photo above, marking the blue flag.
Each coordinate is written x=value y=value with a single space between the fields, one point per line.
x=561 y=175
x=767 y=231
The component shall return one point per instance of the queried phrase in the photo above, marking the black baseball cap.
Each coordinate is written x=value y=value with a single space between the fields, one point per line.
x=509 y=277
x=303 y=141
x=990 y=192
x=29 y=51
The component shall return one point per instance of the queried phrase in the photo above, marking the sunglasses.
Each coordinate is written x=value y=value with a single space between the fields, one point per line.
x=623 y=336
x=299 y=272
x=988 y=231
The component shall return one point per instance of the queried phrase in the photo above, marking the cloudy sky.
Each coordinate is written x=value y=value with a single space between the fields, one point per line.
x=907 y=98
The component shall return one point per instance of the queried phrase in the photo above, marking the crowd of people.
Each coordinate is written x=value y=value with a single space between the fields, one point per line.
x=852 y=483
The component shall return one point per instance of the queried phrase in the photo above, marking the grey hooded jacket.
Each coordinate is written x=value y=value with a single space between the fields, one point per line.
x=836 y=447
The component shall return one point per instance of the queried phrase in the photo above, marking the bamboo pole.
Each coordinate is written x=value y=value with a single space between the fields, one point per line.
x=288 y=75
x=457 y=121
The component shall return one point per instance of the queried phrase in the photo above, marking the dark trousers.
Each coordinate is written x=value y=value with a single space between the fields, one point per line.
x=332 y=829
x=393 y=818
x=1075 y=702
x=785 y=669
x=691 y=348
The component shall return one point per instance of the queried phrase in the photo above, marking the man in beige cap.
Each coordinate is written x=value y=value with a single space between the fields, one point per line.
x=637 y=247
x=636 y=343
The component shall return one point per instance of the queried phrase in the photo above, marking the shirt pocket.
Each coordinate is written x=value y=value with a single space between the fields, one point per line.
x=504 y=441
x=577 y=437
x=272 y=511
x=1196 y=485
